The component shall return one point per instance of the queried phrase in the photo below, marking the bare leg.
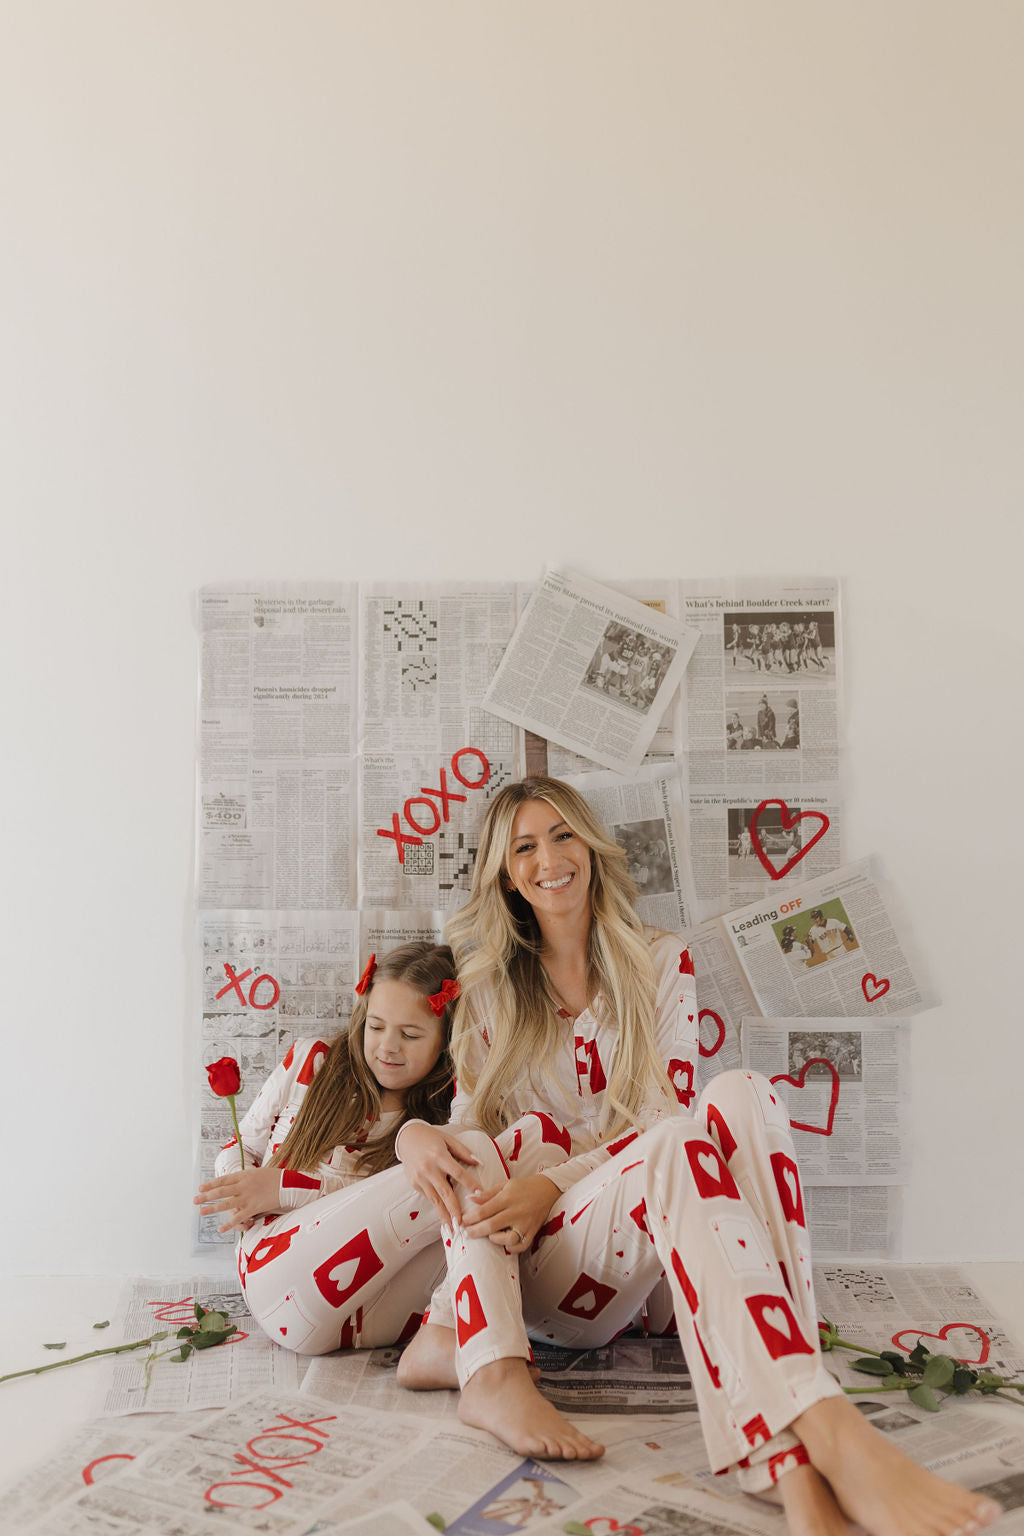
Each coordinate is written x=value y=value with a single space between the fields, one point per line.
x=502 y=1399
x=810 y=1505
x=876 y=1485
x=428 y=1360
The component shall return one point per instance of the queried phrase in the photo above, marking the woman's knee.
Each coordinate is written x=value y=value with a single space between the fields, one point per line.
x=740 y=1097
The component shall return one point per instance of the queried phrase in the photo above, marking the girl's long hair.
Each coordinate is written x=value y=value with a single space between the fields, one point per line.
x=497 y=945
x=343 y=1099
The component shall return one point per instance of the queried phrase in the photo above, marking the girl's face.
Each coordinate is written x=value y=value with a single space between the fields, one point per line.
x=402 y=1039
x=548 y=863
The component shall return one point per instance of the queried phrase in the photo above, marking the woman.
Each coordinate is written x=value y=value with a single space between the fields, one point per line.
x=571 y=1006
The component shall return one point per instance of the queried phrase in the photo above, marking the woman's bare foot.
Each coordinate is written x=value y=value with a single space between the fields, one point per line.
x=877 y=1486
x=810 y=1505
x=427 y=1364
x=501 y=1398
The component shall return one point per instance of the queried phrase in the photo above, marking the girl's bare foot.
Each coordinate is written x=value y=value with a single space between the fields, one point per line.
x=810 y=1505
x=427 y=1362
x=877 y=1486
x=501 y=1398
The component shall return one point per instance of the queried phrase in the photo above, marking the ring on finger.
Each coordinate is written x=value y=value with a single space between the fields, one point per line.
x=517 y=1234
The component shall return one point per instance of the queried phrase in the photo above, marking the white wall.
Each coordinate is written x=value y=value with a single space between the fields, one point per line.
x=457 y=288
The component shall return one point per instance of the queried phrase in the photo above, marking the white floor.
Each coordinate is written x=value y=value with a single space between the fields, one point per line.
x=36 y=1412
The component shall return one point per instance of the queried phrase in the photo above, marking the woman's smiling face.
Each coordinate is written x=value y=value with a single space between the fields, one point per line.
x=548 y=863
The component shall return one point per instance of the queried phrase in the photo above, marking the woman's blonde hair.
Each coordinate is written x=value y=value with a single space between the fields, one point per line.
x=497 y=944
x=343 y=1099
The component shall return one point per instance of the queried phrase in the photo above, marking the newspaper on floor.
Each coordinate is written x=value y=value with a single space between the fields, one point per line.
x=644 y=814
x=547 y=757
x=271 y=1462
x=209 y=1378
x=762 y=693
x=893 y=1306
x=591 y=670
x=854 y=1221
x=267 y=978
x=828 y=949
x=277 y=700
x=636 y=1507
x=367 y=1376
x=744 y=845
x=846 y=1087
x=419 y=822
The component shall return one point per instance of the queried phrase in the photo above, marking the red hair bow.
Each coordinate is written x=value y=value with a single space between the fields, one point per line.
x=439 y=1000
x=366 y=979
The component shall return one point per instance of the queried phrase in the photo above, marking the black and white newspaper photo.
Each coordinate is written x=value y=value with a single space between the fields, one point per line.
x=591 y=670
x=828 y=947
x=276 y=776
x=743 y=845
x=267 y=979
x=644 y=813
x=763 y=689
x=846 y=1087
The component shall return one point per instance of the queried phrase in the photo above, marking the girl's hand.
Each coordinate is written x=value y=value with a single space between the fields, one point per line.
x=434 y=1162
x=244 y=1195
x=512 y=1217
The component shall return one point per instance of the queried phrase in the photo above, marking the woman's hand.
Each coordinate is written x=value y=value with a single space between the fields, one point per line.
x=244 y=1195
x=435 y=1161
x=512 y=1217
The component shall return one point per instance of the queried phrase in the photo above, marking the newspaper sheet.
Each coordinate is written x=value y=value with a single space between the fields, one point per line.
x=381 y=930
x=744 y=845
x=854 y=1221
x=724 y=997
x=268 y=978
x=664 y=1504
x=644 y=814
x=591 y=670
x=763 y=689
x=207 y=1379
x=828 y=948
x=548 y=757
x=419 y=823
x=846 y=1087
x=276 y=793
x=271 y=1462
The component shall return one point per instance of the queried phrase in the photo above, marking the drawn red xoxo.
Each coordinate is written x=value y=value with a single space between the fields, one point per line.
x=436 y=813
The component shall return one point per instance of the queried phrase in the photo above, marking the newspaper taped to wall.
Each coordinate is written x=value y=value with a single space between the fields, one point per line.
x=854 y=1222
x=267 y=978
x=827 y=948
x=743 y=845
x=644 y=814
x=591 y=670
x=846 y=1088
x=724 y=1000
x=381 y=930
x=547 y=757
x=763 y=689
x=419 y=824
x=276 y=783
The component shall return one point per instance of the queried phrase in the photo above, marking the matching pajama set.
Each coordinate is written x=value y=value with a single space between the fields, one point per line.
x=701 y=1214
x=352 y=1259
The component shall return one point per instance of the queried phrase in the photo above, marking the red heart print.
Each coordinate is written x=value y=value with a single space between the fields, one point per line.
x=789 y=820
x=709 y=1013
x=942 y=1336
x=799 y=1082
x=601 y=1525
x=874 y=987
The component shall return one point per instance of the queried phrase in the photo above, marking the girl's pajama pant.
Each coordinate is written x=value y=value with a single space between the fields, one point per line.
x=355 y=1269
x=712 y=1205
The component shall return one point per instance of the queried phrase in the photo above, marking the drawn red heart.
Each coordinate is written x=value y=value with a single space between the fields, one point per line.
x=799 y=1082
x=879 y=986
x=601 y=1525
x=709 y=1013
x=942 y=1336
x=789 y=820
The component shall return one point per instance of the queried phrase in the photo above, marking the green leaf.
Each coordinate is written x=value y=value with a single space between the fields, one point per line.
x=988 y=1379
x=871 y=1365
x=963 y=1379
x=919 y=1355
x=437 y=1521
x=105 y=1324
x=924 y=1397
x=182 y=1354
x=574 y=1528
x=827 y=1334
x=199 y=1311
x=898 y=1362
x=939 y=1372
x=184 y=1333
x=213 y=1322
x=62 y=1345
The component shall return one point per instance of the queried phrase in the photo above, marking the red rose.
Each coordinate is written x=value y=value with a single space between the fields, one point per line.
x=225 y=1078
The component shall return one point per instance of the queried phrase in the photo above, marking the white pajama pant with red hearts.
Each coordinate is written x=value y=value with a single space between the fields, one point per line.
x=355 y=1269
x=714 y=1206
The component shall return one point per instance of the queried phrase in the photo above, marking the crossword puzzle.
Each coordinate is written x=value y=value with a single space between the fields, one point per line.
x=410 y=632
x=862 y=1284
x=497 y=737
x=457 y=851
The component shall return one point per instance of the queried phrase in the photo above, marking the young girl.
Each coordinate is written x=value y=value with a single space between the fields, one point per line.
x=337 y=1250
